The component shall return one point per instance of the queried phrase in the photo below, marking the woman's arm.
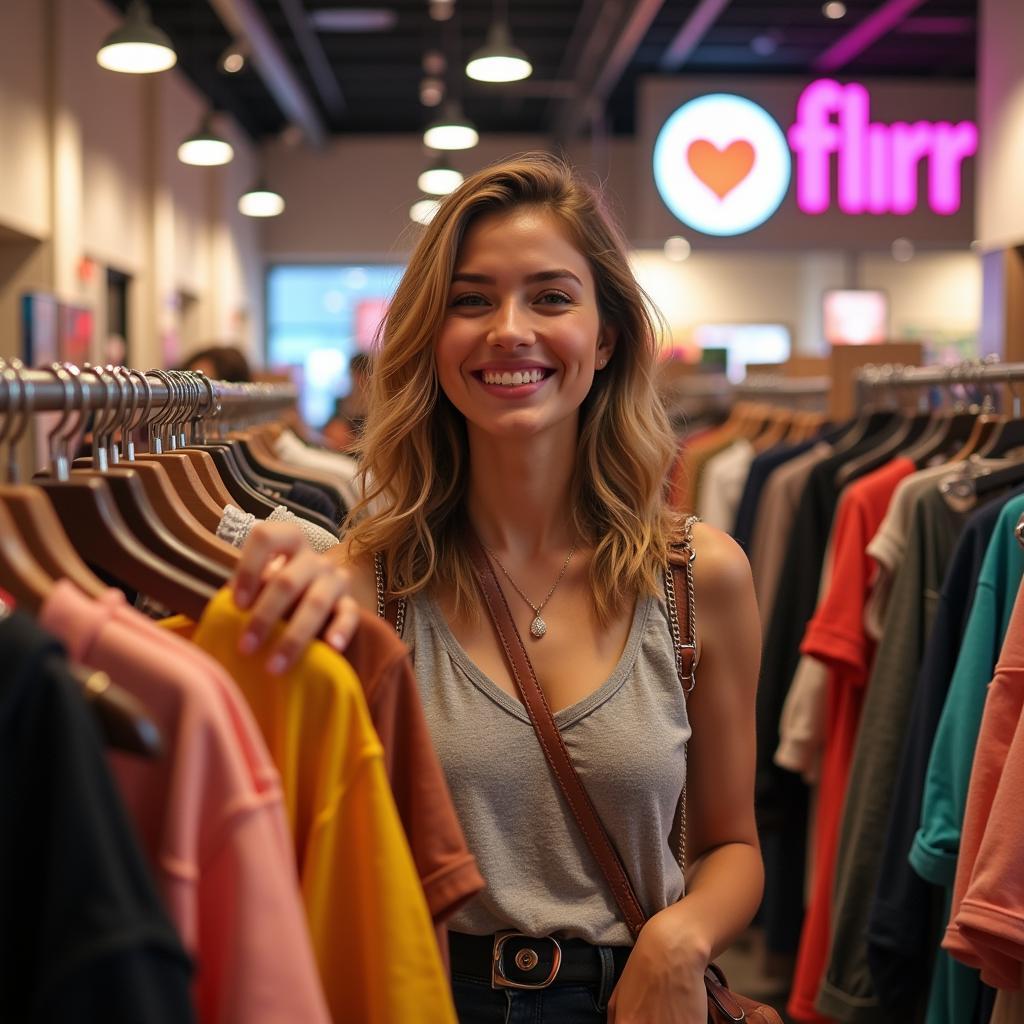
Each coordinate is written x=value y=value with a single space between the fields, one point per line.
x=663 y=979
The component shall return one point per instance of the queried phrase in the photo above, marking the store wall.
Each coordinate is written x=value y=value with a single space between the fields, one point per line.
x=1000 y=212
x=89 y=180
x=934 y=297
x=351 y=201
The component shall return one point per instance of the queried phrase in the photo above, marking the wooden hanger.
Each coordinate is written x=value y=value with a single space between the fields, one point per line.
x=122 y=718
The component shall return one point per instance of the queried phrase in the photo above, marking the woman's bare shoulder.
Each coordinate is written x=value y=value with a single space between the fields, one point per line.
x=721 y=571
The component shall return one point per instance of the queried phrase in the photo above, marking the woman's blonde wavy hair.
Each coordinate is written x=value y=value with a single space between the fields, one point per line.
x=415 y=448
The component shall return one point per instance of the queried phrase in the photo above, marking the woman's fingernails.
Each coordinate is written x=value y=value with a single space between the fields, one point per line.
x=249 y=643
x=337 y=640
x=276 y=665
x=243 y=596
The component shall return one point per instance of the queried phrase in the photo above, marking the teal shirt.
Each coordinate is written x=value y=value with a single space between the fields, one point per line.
x=933 y=856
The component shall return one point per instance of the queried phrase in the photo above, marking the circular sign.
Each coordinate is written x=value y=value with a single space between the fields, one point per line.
x=722 y=164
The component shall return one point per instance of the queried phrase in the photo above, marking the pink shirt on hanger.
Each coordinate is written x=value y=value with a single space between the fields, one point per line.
x=210 y=815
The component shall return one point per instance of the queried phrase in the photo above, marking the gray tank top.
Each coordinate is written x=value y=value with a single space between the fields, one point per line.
x=627 y=742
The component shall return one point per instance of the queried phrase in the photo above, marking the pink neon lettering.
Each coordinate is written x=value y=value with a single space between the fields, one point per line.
x=814 y=137
x=853 y=119
x=910 y=144
x=951 y=145
x=879 y=169
x=877 y=164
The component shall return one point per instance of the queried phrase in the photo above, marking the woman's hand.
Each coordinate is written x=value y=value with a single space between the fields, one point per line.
x=663 y=982
x=279 y=578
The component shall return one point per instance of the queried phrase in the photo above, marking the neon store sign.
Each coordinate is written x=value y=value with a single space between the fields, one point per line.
x=723 y=165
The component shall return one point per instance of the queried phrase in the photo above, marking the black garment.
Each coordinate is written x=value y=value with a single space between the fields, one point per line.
x=316 y=498
x=757 y=476
x=83 y=937
x=907 y=915
x=781 y=796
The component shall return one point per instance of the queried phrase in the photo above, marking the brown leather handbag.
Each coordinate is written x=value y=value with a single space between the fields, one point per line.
x=724 y=1005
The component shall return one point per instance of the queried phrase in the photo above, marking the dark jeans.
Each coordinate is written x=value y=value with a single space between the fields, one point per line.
x=477 y=1003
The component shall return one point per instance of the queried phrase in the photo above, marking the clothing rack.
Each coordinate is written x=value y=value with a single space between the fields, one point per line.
x=772 y=386
x=889 y=376
x=66 y=387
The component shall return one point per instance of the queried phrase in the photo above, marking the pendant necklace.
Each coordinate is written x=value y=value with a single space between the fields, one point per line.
x=538 y=628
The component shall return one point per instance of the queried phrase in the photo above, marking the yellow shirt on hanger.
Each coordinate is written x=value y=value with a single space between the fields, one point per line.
x=372 y=934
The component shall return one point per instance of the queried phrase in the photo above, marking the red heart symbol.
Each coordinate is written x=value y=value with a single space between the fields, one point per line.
x=720 y=169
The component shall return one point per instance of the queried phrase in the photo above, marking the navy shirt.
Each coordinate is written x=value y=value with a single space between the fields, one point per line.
x=760 y=470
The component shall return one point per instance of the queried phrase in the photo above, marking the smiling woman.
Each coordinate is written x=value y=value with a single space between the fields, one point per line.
x=515 y=455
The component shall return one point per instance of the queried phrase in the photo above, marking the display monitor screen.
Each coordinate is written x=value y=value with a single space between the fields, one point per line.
x=856 y=316
x=745 y=344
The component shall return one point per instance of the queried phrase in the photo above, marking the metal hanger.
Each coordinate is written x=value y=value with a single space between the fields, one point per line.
x=32 y=513
x=144 y=496
x=243 y=493
x=94 y=523
x=179 y=470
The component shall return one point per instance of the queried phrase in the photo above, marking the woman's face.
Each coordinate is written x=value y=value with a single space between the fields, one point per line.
x=522 y=337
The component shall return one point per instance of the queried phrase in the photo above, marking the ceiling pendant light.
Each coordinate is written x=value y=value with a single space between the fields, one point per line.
x=439 y=178
x=498 y=60
x=451 y=130
x=260 y=201
x=138 y=47
x=423 y=211
x=205 y=148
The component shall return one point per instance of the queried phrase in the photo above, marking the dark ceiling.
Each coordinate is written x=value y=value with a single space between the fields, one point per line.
x=378 y=74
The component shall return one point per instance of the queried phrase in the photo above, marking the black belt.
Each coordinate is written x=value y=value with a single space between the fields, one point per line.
x=514 y=960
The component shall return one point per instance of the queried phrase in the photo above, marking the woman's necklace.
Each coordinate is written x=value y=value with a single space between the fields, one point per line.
x=538 y=627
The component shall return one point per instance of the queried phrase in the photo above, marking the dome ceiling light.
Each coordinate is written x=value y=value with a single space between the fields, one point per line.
x=439 y=178
x=138 y=47
x=260 y=201
x=452 y=130
x=205 y=148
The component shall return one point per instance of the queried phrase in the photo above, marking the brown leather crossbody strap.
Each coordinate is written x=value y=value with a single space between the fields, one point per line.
x=551 y=741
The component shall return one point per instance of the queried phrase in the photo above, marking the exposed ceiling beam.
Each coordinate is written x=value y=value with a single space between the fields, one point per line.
x=693 y=30
x=313 y=54
x=877 y=24
x=243 y=19
x=610 y=63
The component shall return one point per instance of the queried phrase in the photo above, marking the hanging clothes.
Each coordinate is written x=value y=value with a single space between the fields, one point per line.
x=986 y=924
x=371 y=930
x=343 y=468
x=846 y=993
x=835 y=636
x=210 y=815
x=934 y=852
x=84 y=934
x=905 y=921
x=724 y=477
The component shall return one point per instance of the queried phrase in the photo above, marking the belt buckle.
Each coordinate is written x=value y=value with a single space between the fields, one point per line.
x=498 y=977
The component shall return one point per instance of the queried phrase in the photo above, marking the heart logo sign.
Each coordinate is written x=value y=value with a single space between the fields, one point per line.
x=722 y=164
x=720 y=169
